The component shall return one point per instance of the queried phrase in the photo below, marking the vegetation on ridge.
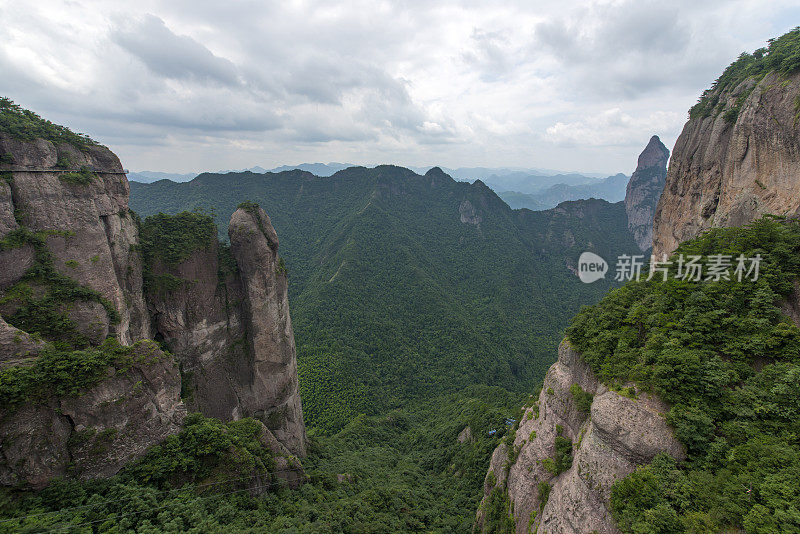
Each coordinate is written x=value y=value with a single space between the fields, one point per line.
x=781 y=55
x=57 y=372
x=728 y=361
x=171 y=239
x=23 y=124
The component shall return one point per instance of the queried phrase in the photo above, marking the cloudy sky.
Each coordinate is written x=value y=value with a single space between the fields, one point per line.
x=188 y=85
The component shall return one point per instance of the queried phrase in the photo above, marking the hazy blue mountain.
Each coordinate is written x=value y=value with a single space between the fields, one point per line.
x=148 y=177
x=317 y=169
x=611 y=189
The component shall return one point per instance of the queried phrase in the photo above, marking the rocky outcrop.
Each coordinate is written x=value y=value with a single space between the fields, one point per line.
x=643 y=191
x=609 y=440
x=96 y=433
x=16 y=346
x=231 y=331
x=71 y=277
x=728 y=168
x=273 y=395
x=90 y=231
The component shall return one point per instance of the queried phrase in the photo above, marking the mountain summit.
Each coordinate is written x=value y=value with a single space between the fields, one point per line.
x=644 y=190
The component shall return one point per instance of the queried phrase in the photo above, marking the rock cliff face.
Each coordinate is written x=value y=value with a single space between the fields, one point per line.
x=92 y=434
x=643 y=191
x=90 y=229
x=272 y=394
x=71 y=277
x=609 y=441
x=729 y=168
x=232 y=332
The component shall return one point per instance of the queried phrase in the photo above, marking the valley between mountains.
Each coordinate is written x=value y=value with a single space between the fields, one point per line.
x=381 y=350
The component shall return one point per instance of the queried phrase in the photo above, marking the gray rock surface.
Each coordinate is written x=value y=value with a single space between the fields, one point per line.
x=7 y=221
x=724 y=174
x=201 y=323
x=97 y=432
x=16 y=262
x=234 y=337
x=643 y=191
x=272 y=395
x=609 y=442
x=92 y=229
x=16 y=346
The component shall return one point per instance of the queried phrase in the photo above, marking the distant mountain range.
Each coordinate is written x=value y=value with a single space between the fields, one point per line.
x=534 y=188
x=611 y=189
x=404 y=284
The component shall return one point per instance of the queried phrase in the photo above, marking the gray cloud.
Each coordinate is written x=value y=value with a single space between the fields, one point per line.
x=630 y=48
x=186 y=85
x=171 y=55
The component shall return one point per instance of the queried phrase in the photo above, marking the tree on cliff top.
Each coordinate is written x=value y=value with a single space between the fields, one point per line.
x=24 y=124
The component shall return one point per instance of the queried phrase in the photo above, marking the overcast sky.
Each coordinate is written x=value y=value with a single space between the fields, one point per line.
x=188 y=85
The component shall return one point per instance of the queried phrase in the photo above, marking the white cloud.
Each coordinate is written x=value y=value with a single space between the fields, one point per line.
x=182 y=85
x=613 y=127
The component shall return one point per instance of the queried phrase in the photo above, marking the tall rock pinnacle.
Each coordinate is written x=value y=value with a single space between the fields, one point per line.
x=644 y=190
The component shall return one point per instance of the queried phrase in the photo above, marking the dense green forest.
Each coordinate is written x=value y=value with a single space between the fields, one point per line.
x=393 y=296
x=405 y=471
x=728 y=361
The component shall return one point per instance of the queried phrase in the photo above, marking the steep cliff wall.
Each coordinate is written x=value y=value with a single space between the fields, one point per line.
x=558 y=470
x=230 y=328
x=735 y=163
x=272 y=394
x=88 y=230
x=94 y=431
x=644 y=190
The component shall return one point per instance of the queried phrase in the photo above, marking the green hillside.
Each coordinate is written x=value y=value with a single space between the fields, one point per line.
x=728 y=362
x=393 y=296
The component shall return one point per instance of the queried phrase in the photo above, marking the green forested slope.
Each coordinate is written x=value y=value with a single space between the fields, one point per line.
x=728 y=361
x=404 y=471
x=393 y=296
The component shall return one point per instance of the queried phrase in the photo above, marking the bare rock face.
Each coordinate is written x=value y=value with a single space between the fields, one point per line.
x=16 y=346
x=232 y=332
x=468 y=213
x=644 y=190
x=608 y=443
x=91 y=233
x=272 y=395
x=97 y=432
x=7 y=221
x=201 y=323
x=727 y=174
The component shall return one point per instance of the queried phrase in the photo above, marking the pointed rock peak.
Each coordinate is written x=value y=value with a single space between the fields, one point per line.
x=435 y=172
x=654 y=154
x=248 y=219
x=643 y=191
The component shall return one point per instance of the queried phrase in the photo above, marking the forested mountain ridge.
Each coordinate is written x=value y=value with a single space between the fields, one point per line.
x=405 y=284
